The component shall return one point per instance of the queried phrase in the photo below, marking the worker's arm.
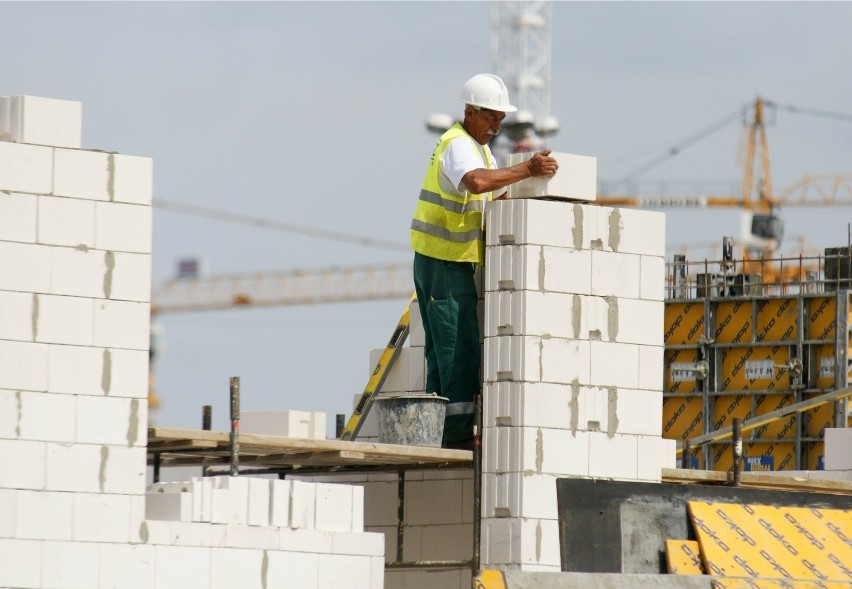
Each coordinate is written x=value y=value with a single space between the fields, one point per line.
x=482 y=180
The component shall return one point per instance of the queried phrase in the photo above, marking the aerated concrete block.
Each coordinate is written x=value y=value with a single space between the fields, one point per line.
x=511 y=267
x=64 y=320
x=613 y=457
x=634 y=231
x=125 y=373
x=127 y=277
x=534 y=222
x=75 y=369
x=46 y=417
x=123 y=227
x=18 y=217
x=416 y=335
x=66 y=221
x=82 y=174
x=614 y=364
x=576 y=178
x=26 y=168
x=24 y=267
x=518 y=494
x=652 y=286
x=303 y=502
x=638 y=321
x=838 y=441
x=79 y=272
x=615 y=275
x=202 y=499
x=69 y=564
x=102 y=518
x=407 y=373
x=258 y=501
x=522 y=312
x=285 y=566
x=653 y=455
x=229 y=500
x=105 y=420
x=122 y=324
x=333 y=507
x=74 y=467
x=133 y=179
x=433 y=502
x=44 y=515
x=168 y=506
x=123 y=469
x=129 y=566
x=520 y=542
x=23 y=366
x=518 y=404
x=565 y=361
x=566 y=270
x=236 y=568
x=21 y=562
x=290 y=424
x=41 y=121
x=16 y=315
x=514 y=358
x=535 y=450
x=177 y=563
x=651 y=368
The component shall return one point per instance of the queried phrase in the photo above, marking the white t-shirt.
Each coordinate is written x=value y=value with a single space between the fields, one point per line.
x=460 y=157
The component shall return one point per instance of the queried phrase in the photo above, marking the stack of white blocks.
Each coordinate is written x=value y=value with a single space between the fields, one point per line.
x=75 y=267
x=289 y=424
x=573 y=364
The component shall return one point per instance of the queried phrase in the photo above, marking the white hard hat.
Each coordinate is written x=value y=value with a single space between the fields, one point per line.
x=487 y=91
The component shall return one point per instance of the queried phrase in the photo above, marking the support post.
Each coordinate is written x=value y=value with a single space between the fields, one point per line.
x=235 y=425
x=340 y=424
x=737 y=449
x=207 y=417
x=477 y=484
x=686 y=457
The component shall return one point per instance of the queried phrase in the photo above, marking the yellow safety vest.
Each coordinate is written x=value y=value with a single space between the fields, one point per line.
x=445 y=226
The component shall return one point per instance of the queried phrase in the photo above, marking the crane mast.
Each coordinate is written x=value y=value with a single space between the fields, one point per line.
x=520 y=54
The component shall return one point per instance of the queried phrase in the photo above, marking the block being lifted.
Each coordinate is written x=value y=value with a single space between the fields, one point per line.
x=575 y=180
x=41 y=121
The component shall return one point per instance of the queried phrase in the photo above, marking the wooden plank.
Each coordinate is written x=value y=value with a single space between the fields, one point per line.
x=265 y=450
x=757 y=480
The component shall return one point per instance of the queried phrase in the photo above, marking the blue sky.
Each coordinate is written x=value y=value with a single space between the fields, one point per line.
x=312 y=113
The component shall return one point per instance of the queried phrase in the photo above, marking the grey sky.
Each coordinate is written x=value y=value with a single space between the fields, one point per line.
x=312 y=113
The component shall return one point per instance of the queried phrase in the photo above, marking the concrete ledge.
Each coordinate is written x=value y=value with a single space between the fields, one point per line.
x=521 y=580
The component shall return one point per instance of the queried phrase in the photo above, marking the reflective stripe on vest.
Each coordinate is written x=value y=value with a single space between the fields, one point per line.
x=446 y=226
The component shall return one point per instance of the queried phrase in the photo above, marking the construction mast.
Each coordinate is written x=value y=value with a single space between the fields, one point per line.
x=520 y=54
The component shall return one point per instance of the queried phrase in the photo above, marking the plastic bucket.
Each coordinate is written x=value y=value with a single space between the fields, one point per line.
x=411 y=420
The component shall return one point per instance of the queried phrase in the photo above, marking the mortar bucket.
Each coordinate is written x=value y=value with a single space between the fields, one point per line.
x=411 y=420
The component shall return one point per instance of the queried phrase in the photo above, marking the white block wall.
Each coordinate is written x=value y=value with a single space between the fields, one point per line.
x=75 y=265
x=572 y=364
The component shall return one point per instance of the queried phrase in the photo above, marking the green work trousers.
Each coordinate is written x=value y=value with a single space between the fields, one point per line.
x=446 y=293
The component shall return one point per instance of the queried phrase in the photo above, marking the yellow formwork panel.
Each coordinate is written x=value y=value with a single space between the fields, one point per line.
x=682 y=417
x=489 y=579
x=752 y=583
x=777 y=320
x=825 y=358
x=678 y=377
x=754 y=367
x=684 y=323
x=782 y=428
x=734 y=322
x=776 y=542
x=821 y=318
x=683 y=557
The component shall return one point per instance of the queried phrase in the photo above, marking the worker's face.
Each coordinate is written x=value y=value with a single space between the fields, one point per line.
x=484 y=123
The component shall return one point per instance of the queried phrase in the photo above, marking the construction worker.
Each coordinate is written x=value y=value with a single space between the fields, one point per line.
x=447 y=239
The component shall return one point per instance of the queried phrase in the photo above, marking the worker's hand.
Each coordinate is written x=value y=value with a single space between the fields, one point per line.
x=541 y=164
